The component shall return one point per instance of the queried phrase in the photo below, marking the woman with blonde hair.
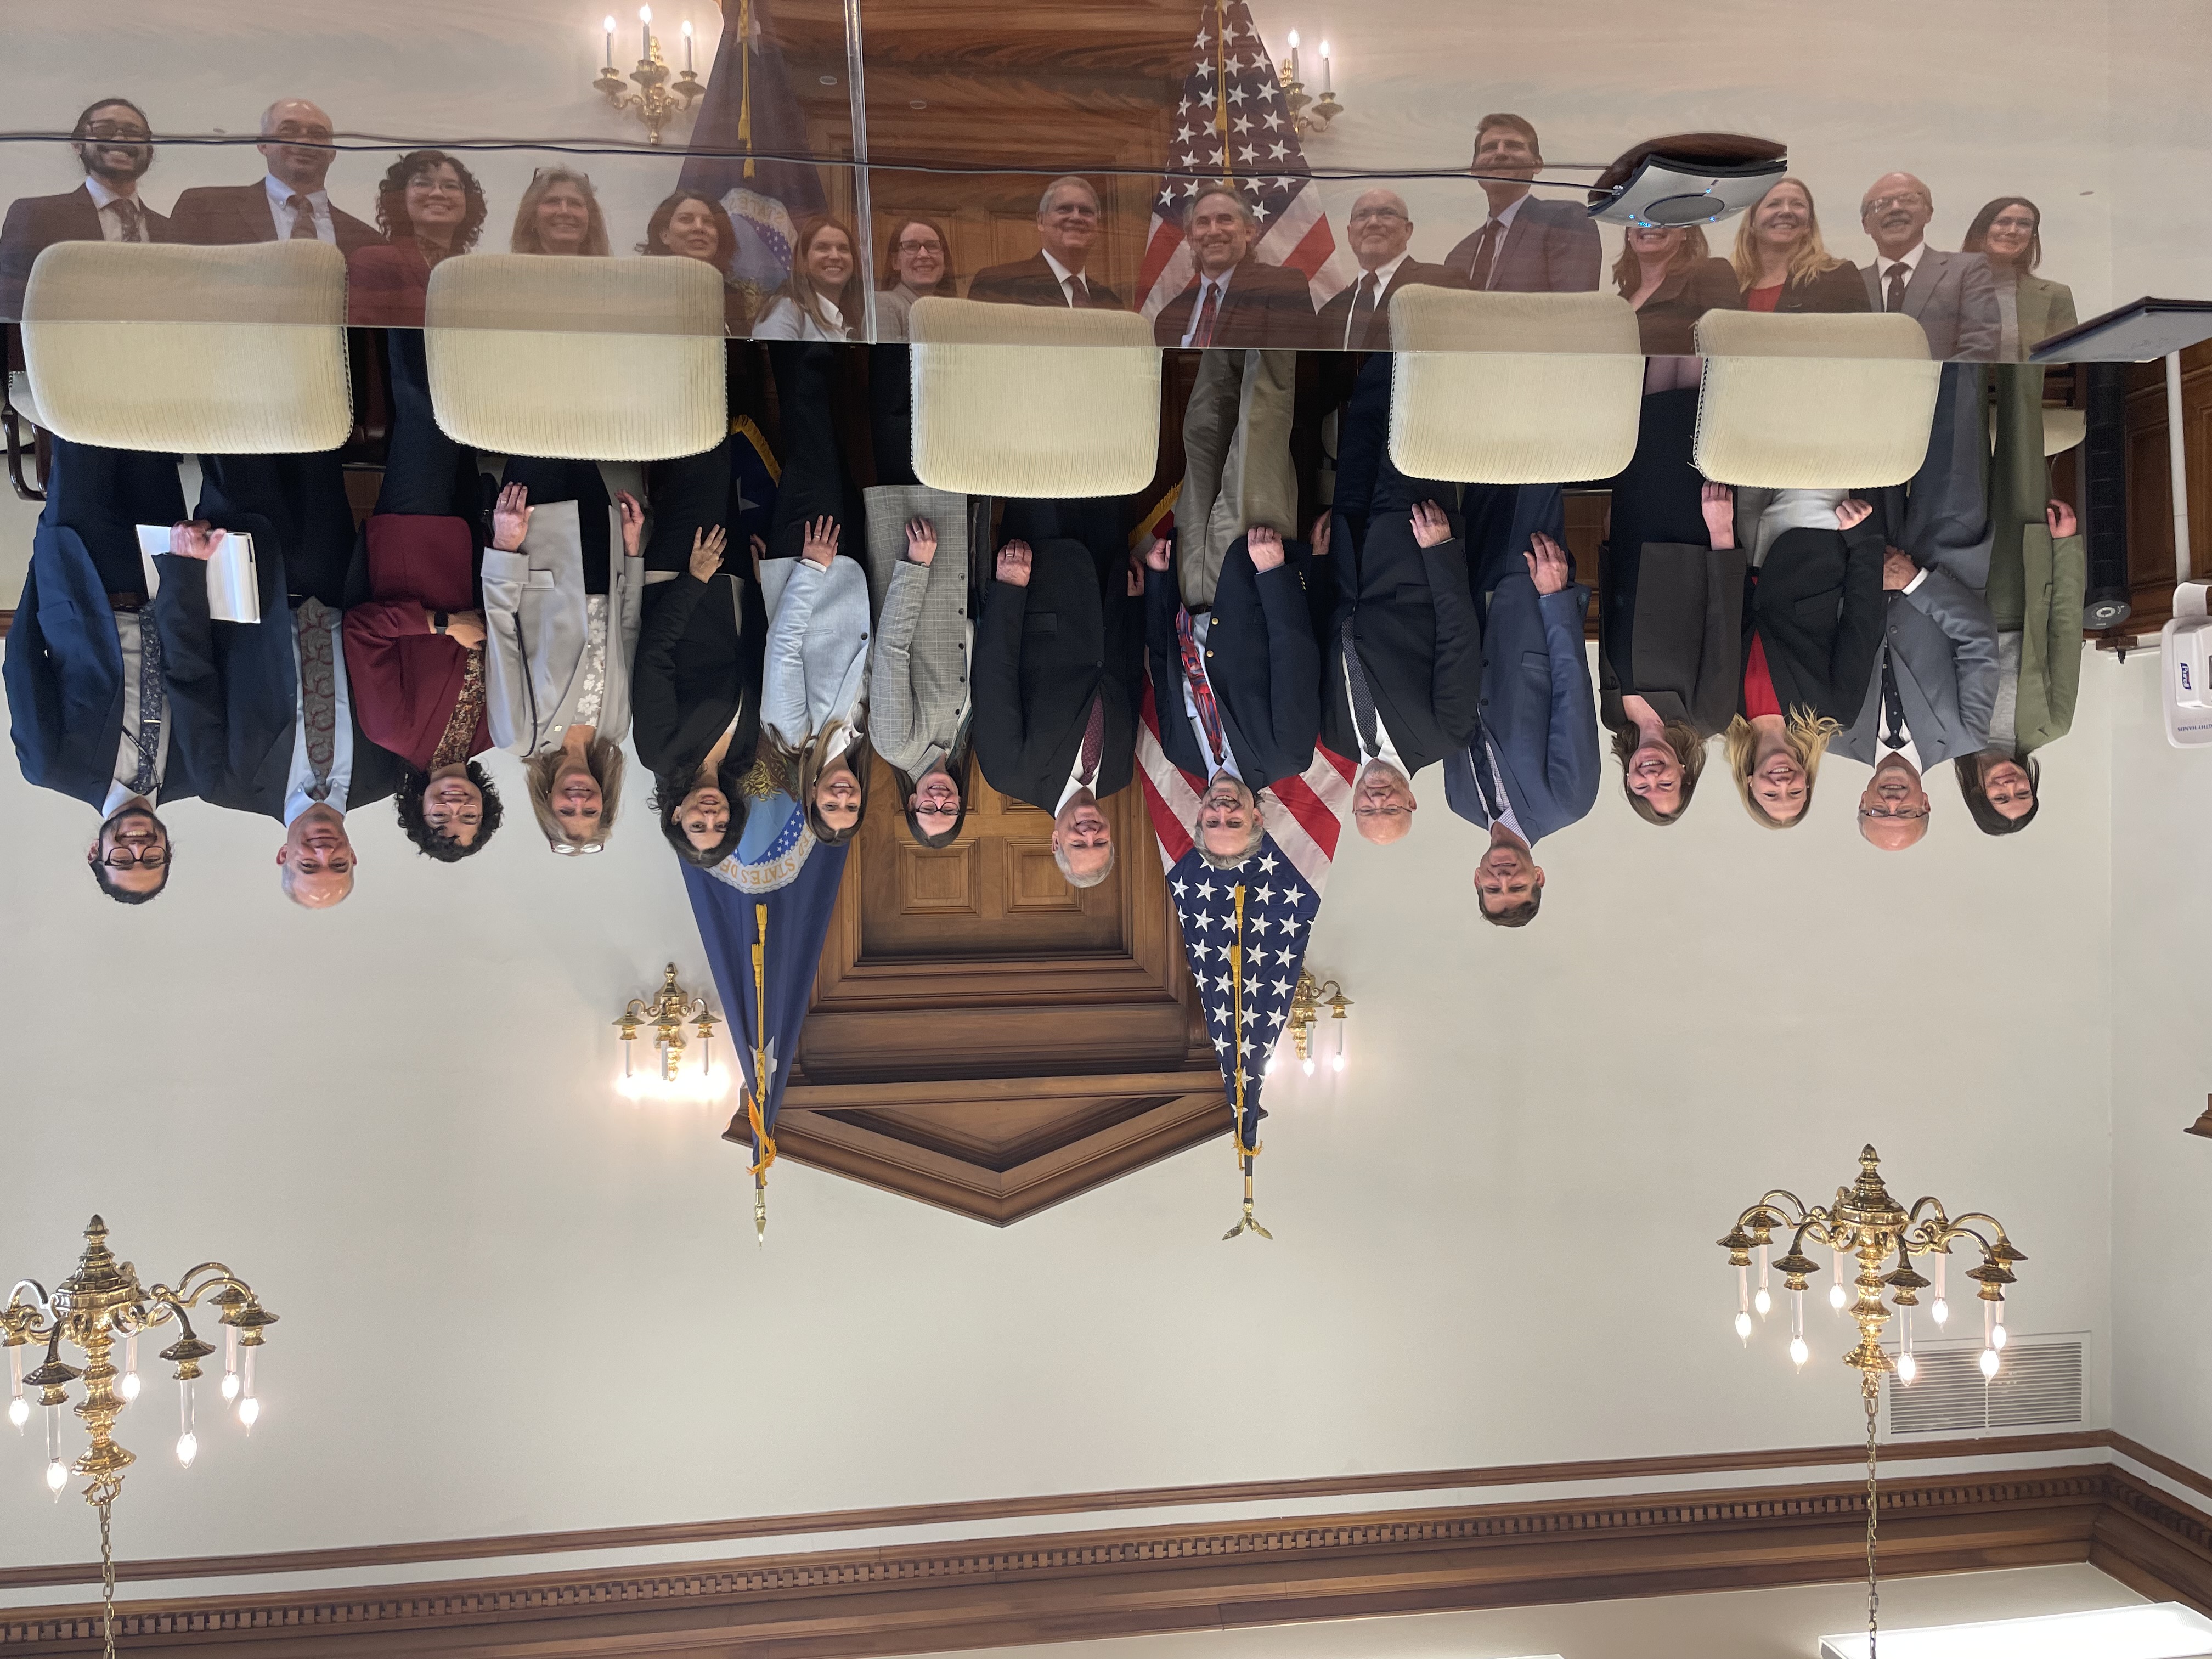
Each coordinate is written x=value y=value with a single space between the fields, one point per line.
x=576 y=790
x=560 y=213
x=1782 y=265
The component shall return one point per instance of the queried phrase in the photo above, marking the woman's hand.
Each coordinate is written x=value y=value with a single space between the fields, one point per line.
x=821 y=545
x=1717 y=502
x=1851 y=513
x=467 y=627
x=633 y=524
x=921 y=541
x=707 y=547
x=2060 y=517
x=510 y=518
x=759 y=549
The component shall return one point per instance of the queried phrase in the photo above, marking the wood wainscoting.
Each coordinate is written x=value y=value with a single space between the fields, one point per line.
x=969 y=1593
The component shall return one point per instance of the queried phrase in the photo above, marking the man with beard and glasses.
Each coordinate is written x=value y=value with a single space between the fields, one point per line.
x=1952 y=296
x=114 y=141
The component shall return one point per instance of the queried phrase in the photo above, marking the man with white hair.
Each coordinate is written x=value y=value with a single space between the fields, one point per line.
x=1381 y=229
x=290 y=202
x=1067 y=226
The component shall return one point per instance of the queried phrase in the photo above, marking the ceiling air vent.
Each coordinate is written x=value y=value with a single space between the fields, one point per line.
x=2038 y=1386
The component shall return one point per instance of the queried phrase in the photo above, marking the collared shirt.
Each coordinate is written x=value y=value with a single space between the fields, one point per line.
x=1075 y=782
x=279 y=209
x=1198 y=626
x=1911 y=260
x=301 y=776
x=1503 y=220
x=1380 y=276
x=1504 y=795
x=127 y=624
x=110 y=218
x=1388 y=751
x=1063 y=277
x=1220 y=287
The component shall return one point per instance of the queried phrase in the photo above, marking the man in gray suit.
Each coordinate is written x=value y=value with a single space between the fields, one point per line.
x=1526 y=245
x=918 y=698
x=1951 y=296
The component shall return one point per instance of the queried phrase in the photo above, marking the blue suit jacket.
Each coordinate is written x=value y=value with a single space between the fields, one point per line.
x=1262 y=661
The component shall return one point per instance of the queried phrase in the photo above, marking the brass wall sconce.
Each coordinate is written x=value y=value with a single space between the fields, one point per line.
x=1309 y=114
x=666 y=1016
x=1308 y=998
x=653 y=101
x=99 y=1303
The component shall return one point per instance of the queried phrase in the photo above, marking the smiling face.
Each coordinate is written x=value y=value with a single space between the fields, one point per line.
x=1082 y=834
x=1380 y=226
x=1507 y=878
x=2011 y=234
x=453 y=807
x=1226 y=813
x=1655 y=243
x=1219 y=233
x=115 y=147
x=1781 y=218
x=1896 y=212
x=692 y=232
x=1069 y=224
x=1893 y=808
x=134 y=846
x=1655 y=777
x=837 y=796
x=317 y=858
x=1507 y=150
x=703 y=816
x=918 y=256
x=1382 y=804
x=829 y=259
x=577 y=804
x=2008 y=789
x=437 y=201
x=935 y=802
x=297 y=150
x=1779 y=786
x=564 y=219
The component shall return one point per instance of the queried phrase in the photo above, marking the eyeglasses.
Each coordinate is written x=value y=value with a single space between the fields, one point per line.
x=583 y=178
x=570 y=850
x=153 y=856
x=1883 y=203
x=918 y=248
x=1375 y=213
x=1893 y=813
x=113 y=130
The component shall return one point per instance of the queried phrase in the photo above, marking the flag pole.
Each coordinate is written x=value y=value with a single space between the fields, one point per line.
x=1245 y=1155
x=756 y=1101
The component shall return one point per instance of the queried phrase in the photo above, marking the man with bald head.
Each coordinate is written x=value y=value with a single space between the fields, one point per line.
x=289 y=204
x=1951 y=296
x=1381 y=231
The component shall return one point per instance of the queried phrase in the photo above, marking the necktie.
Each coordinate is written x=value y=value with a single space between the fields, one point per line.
x=1078 y=294
x=153 y=705
x=318 y=692
x=1201 y=690
x=1363 y=701
x=1207 y=313
x=1485 y=776
x=1363 y=313
x=303 y=218
x=1899 y=276
x=1892 y=706
x=132 y=219
x=1094 y=742
x=1486 y=255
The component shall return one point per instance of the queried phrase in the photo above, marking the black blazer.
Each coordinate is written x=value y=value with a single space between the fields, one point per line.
x=699 y=655
x=1030 y=282
x=1261 y=660
x=1667 y=320
x=234 y=687
x=1042 y=653
x=1267 y=305
x=1336 y=315
x=35 y=223
x=210 y=215
x=1670 y=630
x=1412 y=616
x=1840 y=288
x=1817 y=607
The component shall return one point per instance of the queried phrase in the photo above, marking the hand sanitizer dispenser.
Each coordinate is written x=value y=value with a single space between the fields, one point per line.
x=2184 y=651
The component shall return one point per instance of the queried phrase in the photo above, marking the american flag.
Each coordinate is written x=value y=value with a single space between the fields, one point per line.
x=1232 y=123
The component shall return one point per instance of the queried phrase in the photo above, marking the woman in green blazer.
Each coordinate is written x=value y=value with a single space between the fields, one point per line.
x=2030 y=309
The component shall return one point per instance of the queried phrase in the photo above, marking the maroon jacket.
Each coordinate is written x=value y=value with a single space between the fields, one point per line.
x=406 y=678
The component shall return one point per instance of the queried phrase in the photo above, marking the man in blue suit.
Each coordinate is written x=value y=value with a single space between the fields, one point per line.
x=1531 y=765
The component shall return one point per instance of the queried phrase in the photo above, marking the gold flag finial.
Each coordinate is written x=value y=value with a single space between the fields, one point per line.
x=1245 y=1154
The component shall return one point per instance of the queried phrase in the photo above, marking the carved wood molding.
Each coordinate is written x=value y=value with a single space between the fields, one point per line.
x=977 y=1593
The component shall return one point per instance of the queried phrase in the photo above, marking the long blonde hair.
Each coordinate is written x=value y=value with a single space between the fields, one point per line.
x=1811 y=257
x=524 y=238
x=1806 y=736
x=603 y=760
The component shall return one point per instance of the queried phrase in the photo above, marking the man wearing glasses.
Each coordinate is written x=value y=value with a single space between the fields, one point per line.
x=1067 y=225
x=289 y=204
x=114 y=144
x=1382 y=229
x=1951 y=296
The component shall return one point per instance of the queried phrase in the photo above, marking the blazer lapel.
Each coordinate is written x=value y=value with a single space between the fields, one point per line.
x=1926 y=277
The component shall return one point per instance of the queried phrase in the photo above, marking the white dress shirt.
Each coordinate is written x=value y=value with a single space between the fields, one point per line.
x=1504 y=795
x=1065 y=278
x=1883 y=267
x=301 y=776
x=1199 y=625
x=1382 y=275
x=1075 y=782
x=110 y=220
x=1389 y=750
x=279 y=209
x=1219 y=285
x=127 y=624
x=1503 y=220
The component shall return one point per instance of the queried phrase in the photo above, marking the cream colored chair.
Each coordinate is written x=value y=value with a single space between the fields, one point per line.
x=217 y=350
x=1033 y=400
x=1811 y=401
x=577 y=359
x=1513 y=388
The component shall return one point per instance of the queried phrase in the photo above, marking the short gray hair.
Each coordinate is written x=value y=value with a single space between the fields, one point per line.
x=1044 y=202
x=1229 y=861
x=1060 y=858
x=269 y=115
x=1243 y=208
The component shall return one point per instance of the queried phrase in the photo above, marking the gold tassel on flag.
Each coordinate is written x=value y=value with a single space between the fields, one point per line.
x=745 y=81
x=763 y=1064
x=1245 y=1154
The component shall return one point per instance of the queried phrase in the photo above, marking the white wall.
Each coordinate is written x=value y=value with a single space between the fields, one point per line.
x=511 y=1302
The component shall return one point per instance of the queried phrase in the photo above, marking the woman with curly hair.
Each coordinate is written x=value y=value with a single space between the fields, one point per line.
x=429 y=207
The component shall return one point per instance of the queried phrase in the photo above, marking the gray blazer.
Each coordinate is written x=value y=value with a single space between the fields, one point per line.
x=1551 y=247
x=535 y=633
x=918 y=680
x=1954 y=299
x=1946 y=650
x=817 y=649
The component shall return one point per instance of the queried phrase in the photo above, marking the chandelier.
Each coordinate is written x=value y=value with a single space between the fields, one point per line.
x=666 y=1016
x=1865 y=1224
x=89 y=1310
x=653 y=103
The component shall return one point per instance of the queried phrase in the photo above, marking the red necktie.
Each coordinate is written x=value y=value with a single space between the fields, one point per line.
x=1203 y=334
x=1078 y=296
x=1201 y=690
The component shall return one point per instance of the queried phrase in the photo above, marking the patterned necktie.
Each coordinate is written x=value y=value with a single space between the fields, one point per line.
x=1486 y=255
x=1893 y=705
x=1078 y=292
x=1094 y=742
x=1363 y=701
x=318 y=692
x=132 y=219
x=1899 y=276
x=153 y=706
x=303 y=218
x=1207 y=313
x=1363 y=313
x=1201 y=691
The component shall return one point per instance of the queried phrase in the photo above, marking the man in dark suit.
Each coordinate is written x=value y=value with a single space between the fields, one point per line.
x=1237 y=688
x=1526 y=245
x=113 y=143
x=1531 y=765
x=1059 y=674
x=1067 y=224
x=1234 y=300
x=1952 y=296
x=1381 y=230
x=288 y=204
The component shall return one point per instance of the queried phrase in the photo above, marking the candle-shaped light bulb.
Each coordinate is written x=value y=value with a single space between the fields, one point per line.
x=57 y=1477
x=687 y=43
x=1907 y=1369
x=129 y=1387
x=1309 y=1066
x=1337 y=1063
x=1799 y=1353
x=19 y=1413
x=1743 y=1326
x=1268 y=1070
x=1989 y=1362
x=1997 y=1337
x=1326 y=86
x=610 y=63
x=249 y=1413
x=188 y=1448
